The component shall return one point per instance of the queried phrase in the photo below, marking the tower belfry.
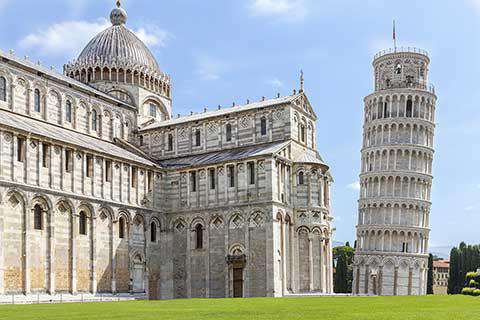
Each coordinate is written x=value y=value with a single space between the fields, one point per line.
x=391 y=255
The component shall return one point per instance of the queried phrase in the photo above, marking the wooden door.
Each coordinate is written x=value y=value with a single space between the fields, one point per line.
x=238 y=282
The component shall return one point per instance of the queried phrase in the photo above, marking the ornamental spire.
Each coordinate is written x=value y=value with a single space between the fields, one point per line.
x=302 y=81
x=118 y=15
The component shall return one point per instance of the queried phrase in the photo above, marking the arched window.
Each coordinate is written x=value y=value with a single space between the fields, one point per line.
x=94 y=120
x=398 y=69
x=197 y=138
x=37 y=217
x=301 y=178
x=228 y=132
x=82 y=223
x=68 y=111
x=3 y=89
x=302 y=133
x=153 y=110
x=170 y=142
x=36 y=100
x=409 y=108
x=198 y=236
x=153 y=232
x=141 y=141
x=263 y=126
x=121 y=227
x=385 y=110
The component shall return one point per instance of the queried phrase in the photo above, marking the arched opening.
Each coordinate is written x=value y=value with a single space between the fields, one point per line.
x=94 y=120
x=37 y=217
x=121 y=228
x=153 y=232
x=263 y=126
x=409 y=108
x=198 y=236
x=36 y=101
x=398 y=68
x=197 y=138
x=68 y=111
x=141 y=141
x=301 y=178
x=153 y=110
x=82 y=224
x=302 y=133
x=3 y=89
x=170 y=142
x=228 y=132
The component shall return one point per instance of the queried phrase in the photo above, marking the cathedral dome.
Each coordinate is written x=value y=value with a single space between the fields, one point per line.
x=118 y=55
x=117 y=45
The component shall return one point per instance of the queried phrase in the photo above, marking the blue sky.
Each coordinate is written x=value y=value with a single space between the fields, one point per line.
x=220 y=51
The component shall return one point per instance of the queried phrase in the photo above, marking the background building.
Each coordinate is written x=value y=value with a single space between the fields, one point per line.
x=441 y=272
x=396 y=177
x=102 y=190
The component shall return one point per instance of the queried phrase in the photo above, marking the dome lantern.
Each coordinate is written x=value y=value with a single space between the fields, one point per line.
x=118 y=16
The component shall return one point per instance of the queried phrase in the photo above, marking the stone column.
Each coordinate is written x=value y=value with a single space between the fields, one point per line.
x=284 y=259
x=74 y=252
x=51 y=266
x=323 y=288
x=395 y=281
x=310 y=260
x=93 y=284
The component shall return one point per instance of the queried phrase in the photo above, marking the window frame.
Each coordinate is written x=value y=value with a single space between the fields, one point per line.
x=82 y=224
x=228 y=132
x=193 y=181
x=3 y=89
x=94 y=122
x=199 y=236
x=37 y=102
x=37 y=217
x=121 y=227
x=21 y=146
x=212 y=177
x=45 y=155
x=153 y=232
x=198 y=138
x=152 y=110
x=170 y=142
x=301 y=178
x=251 y=173
x=68 y=160
x=108 y=171
x=231 y=176
x=89 y=166
x=263 y=126
x=134 y=177
x=68 y=111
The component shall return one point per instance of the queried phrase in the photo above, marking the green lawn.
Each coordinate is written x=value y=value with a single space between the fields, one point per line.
x=357 y=308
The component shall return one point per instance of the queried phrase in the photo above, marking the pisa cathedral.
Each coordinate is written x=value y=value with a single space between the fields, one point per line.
x=103 y=190
x=396 y=177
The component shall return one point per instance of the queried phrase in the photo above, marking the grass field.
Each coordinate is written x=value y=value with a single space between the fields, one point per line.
x=381 y=308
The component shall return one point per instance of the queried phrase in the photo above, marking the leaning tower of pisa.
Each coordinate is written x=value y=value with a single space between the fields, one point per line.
x=396 y=177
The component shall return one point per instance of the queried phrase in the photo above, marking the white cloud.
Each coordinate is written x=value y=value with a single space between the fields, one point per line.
x=68 y=38
x=276 y=83
x=475 y=4
x=209 y=68
x=469 y=208
x=354 y=186
x=290 y=9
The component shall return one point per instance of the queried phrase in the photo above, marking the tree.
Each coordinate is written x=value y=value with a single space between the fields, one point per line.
x=430 y=275
x=343 y=277
x=453 y=274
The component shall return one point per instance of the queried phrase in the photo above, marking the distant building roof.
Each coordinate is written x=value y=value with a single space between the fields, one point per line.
x=63 y=135
x=441 y=264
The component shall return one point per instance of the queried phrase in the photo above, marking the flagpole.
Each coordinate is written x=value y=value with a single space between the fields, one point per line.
x=394 y=37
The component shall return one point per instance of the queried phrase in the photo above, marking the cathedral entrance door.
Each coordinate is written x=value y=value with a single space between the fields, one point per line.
x=238 y=282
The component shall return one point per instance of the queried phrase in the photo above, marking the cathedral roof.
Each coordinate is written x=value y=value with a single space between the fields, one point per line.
x=69 y=137
x=224 y=155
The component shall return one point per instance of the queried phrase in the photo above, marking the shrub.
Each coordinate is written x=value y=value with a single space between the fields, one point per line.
x=476 y=292
x=468 y=291
x=472 y=284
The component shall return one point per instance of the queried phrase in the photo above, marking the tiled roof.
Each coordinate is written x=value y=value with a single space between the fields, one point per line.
x=441 y=264
x=224 y=155
x=70 y=137
x=221 y=112
x=309 y=156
